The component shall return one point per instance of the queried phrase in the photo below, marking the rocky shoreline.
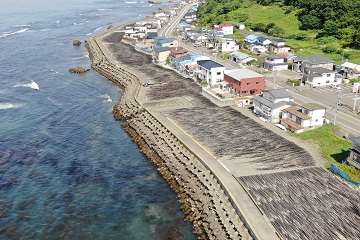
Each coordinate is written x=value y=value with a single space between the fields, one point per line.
x=202 y=198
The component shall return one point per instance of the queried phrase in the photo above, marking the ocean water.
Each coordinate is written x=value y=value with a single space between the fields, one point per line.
x=67 y=169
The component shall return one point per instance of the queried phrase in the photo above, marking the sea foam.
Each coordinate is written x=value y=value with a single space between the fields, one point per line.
x=7 y=34
x=9 y=105
x=106 y=97
x=32 y=85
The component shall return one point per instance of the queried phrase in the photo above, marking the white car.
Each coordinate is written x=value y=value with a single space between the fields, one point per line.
x=335 y=86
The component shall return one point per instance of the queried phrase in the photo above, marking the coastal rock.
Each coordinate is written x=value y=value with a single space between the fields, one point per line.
x=76 y=42
x=79 y=69
x=110 y=26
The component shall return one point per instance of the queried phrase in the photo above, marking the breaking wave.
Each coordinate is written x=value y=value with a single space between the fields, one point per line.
x=7 y=34
x=9 y=105
x=32 y=85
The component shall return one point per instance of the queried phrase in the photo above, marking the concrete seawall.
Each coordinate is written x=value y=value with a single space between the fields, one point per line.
x=202 y=198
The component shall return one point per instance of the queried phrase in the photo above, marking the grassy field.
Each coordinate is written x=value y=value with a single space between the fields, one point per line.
x=333 y=148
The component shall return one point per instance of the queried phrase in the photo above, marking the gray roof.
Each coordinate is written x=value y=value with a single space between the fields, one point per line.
x=321 y=70
x=269 y=104
x=240 y=55
x=312 y=106
x=239 y=74
x=209 y=64
x=314 y=59
x=279 y=93
x=161 y=49
x=274 y=56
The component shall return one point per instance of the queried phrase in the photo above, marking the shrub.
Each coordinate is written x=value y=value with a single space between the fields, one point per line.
x=329 y=49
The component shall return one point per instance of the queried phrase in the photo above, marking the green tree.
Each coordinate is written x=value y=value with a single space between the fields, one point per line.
x=309 y=22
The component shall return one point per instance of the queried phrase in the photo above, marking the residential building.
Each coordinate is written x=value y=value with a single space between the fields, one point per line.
x=275 y=63
x=320 y=77
x=303 y=64
x=354 y=156
x=160 y=54
x=188 y=64
x=256 y=48
x=245 y=82
x=251 y=39
x=350 y=70
x=227 y=45
x=241 y=26
x=298 y=119
x=278 y=46
x=263 y=41
x=210 y=71
x=177 y=53
x=241 y=58
x=166 y=42
x=226 y=28
x=288 y=56
x=270 y=104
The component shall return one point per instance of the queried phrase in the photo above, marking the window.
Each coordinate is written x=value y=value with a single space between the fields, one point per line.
x=218 y=73
x=248 y=83
x=244 y=92
x=328 y=81
x=328 y=75
x=257 y=83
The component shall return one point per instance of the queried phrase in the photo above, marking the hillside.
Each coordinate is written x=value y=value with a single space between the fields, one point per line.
x=333 y=35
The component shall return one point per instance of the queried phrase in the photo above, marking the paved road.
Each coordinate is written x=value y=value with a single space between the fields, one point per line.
x=345 y=117
x=348 y=120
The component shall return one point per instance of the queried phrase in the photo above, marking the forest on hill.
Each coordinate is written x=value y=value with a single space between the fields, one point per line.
x=335 y=22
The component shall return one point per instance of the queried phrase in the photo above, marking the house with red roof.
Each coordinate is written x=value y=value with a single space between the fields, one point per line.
x=177 y=52
x=226 y=28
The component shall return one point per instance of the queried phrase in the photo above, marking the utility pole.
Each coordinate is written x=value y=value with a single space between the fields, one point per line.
x=275 y=78
x=356 y=94
x=337 y=104
x=356 y=90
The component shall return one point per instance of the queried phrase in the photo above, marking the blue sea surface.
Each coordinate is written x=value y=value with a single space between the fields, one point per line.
x=67 y=168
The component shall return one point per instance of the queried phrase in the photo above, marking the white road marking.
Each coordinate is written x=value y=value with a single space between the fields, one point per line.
x=224 y=166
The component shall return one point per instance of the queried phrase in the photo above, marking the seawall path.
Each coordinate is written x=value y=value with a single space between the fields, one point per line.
x=203 y=197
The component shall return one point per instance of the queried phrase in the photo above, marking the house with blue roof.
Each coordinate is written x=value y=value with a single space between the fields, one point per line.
x=250 y=39
x=210 y=71
x=263 y=41
x=166 y=42
x=189 y=64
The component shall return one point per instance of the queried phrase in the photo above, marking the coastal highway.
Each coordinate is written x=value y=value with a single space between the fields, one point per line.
x=348 y=121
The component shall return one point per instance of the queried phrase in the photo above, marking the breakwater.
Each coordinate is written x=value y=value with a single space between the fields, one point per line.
x=202 y=198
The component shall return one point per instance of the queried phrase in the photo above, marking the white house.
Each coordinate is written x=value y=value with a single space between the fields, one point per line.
x=278 y=46
x=308 y=116
x=275 y=63
x=320 y=77
x=257 y=48
x=351 y=70
x=270 y=104
x=241 y=26
x=263 y=41
x=227 y=45
x=241 y=58
x=227 y=28
x=210 y=71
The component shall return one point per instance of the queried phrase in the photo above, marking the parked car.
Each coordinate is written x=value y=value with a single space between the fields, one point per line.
x=335 y=86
